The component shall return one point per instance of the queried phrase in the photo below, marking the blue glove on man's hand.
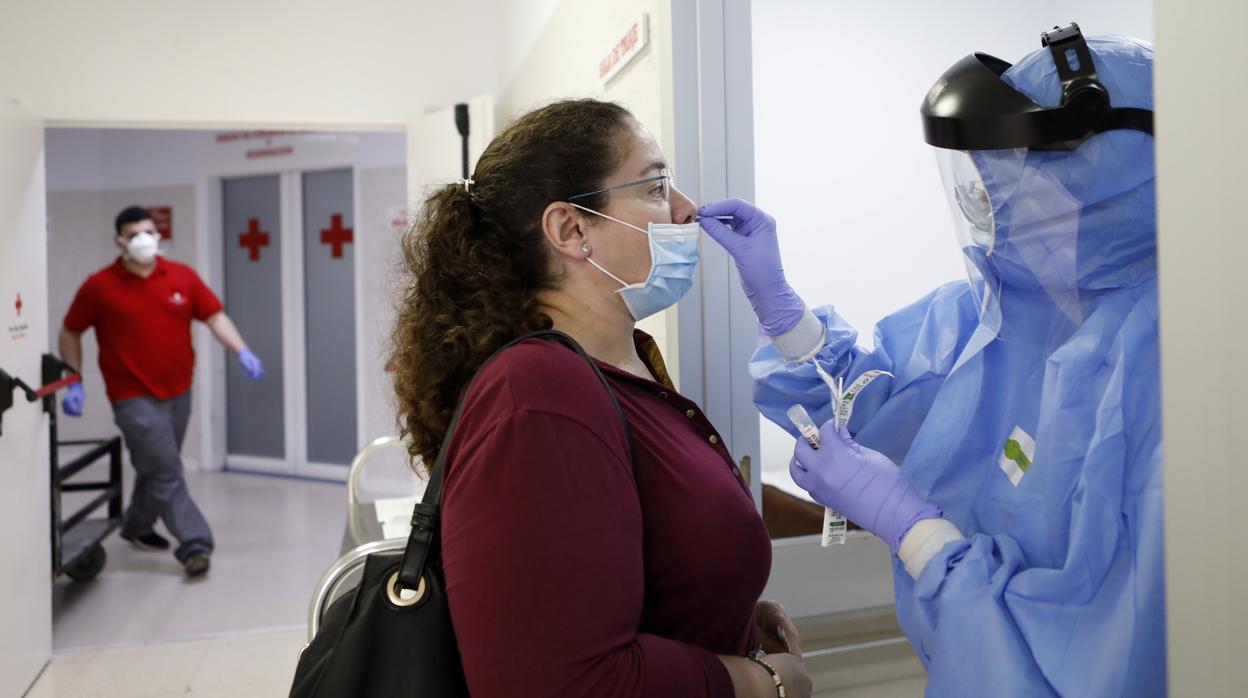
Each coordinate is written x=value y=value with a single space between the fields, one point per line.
x=74 y=397
x=863 y=485
x=753 y=245
x=251 y=364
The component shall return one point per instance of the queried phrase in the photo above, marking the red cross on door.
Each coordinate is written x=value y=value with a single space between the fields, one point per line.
x=253 y=239
x=337 y=235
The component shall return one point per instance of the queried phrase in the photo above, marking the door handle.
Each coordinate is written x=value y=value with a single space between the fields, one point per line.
x=53 y=368
x=7 y=385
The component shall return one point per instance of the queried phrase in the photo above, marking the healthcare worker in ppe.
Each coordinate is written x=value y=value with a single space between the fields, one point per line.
x=1023 y=407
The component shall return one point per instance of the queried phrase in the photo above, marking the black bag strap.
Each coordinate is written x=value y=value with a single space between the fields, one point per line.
x=425 y=517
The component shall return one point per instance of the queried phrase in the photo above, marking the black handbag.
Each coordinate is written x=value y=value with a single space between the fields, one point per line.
x=382 y=639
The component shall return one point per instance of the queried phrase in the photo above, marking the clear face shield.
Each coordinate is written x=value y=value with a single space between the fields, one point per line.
x=1006 y=163
x=1018 y=229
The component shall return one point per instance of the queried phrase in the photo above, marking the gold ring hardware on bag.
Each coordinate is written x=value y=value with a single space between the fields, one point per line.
x=395 y=594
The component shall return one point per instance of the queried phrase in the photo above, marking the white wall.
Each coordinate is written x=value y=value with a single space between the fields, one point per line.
x=521 y=23
x=839 y=153
x=94 y=173
x=294 y=62
x=563 y=63
x=1202 y=246
x=434 y=146
x=25 y=604
x=383 y=192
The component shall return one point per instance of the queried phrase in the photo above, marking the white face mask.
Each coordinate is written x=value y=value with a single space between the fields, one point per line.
x=142 y=248
x=673 y=260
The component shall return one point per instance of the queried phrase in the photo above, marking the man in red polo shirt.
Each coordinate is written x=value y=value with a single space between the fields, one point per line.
x=141 y=307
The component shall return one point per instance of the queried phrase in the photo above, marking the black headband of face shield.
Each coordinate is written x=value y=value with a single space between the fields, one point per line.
x=971 y=108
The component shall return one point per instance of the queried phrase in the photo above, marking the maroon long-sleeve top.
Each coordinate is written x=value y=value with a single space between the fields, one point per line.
x=572 y=571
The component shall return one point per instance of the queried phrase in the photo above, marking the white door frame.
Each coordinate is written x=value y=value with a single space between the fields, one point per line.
x=210 y=398
x=714 y=155
x=1201 y=243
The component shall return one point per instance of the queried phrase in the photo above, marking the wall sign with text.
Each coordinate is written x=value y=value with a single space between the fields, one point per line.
x=627 y=48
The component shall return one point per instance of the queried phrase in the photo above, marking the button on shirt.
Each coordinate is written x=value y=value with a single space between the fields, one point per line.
x=143 y=326
x=573 y=571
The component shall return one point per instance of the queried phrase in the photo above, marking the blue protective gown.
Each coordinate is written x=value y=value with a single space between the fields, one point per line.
x=1057 y=588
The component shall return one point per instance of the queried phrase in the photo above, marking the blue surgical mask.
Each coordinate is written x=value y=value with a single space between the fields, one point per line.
x=673 y=259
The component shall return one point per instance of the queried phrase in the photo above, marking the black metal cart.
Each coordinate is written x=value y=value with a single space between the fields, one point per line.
x=77 y=541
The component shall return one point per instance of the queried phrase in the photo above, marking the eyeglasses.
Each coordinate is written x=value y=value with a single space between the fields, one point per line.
x=664 y=176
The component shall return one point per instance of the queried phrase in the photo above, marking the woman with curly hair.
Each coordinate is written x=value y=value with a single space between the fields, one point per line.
x=581 y=559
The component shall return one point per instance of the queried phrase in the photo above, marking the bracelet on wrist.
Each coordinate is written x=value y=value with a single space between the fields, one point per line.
x=771 y=671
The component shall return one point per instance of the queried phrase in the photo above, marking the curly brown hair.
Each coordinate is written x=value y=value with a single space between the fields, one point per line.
x=477 y=261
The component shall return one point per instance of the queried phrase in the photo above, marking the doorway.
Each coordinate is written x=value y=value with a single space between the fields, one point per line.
x=313 y=209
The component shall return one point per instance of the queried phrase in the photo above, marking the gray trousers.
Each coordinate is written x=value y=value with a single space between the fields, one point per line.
x=153 y=430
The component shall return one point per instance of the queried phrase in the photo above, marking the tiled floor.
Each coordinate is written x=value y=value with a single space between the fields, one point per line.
x=141 y=630
x=241 y=666
x=274 y=538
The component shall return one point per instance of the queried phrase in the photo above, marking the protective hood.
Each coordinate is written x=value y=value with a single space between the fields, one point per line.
x=1083 y=220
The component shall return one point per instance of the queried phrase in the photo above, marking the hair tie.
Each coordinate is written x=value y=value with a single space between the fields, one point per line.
x=466 y=184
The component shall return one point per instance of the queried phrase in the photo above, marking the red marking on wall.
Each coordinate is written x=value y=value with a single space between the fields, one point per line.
x=162 y=216
x=270 y=152
x=622 y=48
x=250 y=135
x=21 y=329
x=337 y=235
x=253 y=239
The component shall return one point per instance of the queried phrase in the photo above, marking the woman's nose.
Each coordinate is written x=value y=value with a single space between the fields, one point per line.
x=683 y=208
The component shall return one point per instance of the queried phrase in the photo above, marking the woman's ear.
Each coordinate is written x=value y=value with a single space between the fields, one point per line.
x=562 y=225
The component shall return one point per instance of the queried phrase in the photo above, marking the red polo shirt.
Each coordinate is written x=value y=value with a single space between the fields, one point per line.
x=570 y=570
x=143 y=326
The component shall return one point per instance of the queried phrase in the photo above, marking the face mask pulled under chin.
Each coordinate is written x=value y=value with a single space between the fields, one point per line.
x=674 y=257
x=143 y=247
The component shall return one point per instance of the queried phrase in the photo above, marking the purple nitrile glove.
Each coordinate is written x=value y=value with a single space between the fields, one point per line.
x=74 y=397
x=752 y=243
x=251 y=364
x=861 y=484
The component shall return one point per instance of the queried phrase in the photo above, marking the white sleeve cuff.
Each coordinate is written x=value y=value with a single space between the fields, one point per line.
x=801 y=343
x=925 y=539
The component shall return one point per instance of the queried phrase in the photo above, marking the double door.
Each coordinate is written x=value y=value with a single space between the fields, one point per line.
x=290 y=286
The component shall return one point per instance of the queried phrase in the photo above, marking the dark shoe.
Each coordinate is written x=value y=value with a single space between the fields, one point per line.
x=147 y=541
x=195 y=565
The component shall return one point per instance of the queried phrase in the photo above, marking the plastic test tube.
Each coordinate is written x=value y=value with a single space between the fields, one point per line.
x=805 y=425
x=834 y=525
